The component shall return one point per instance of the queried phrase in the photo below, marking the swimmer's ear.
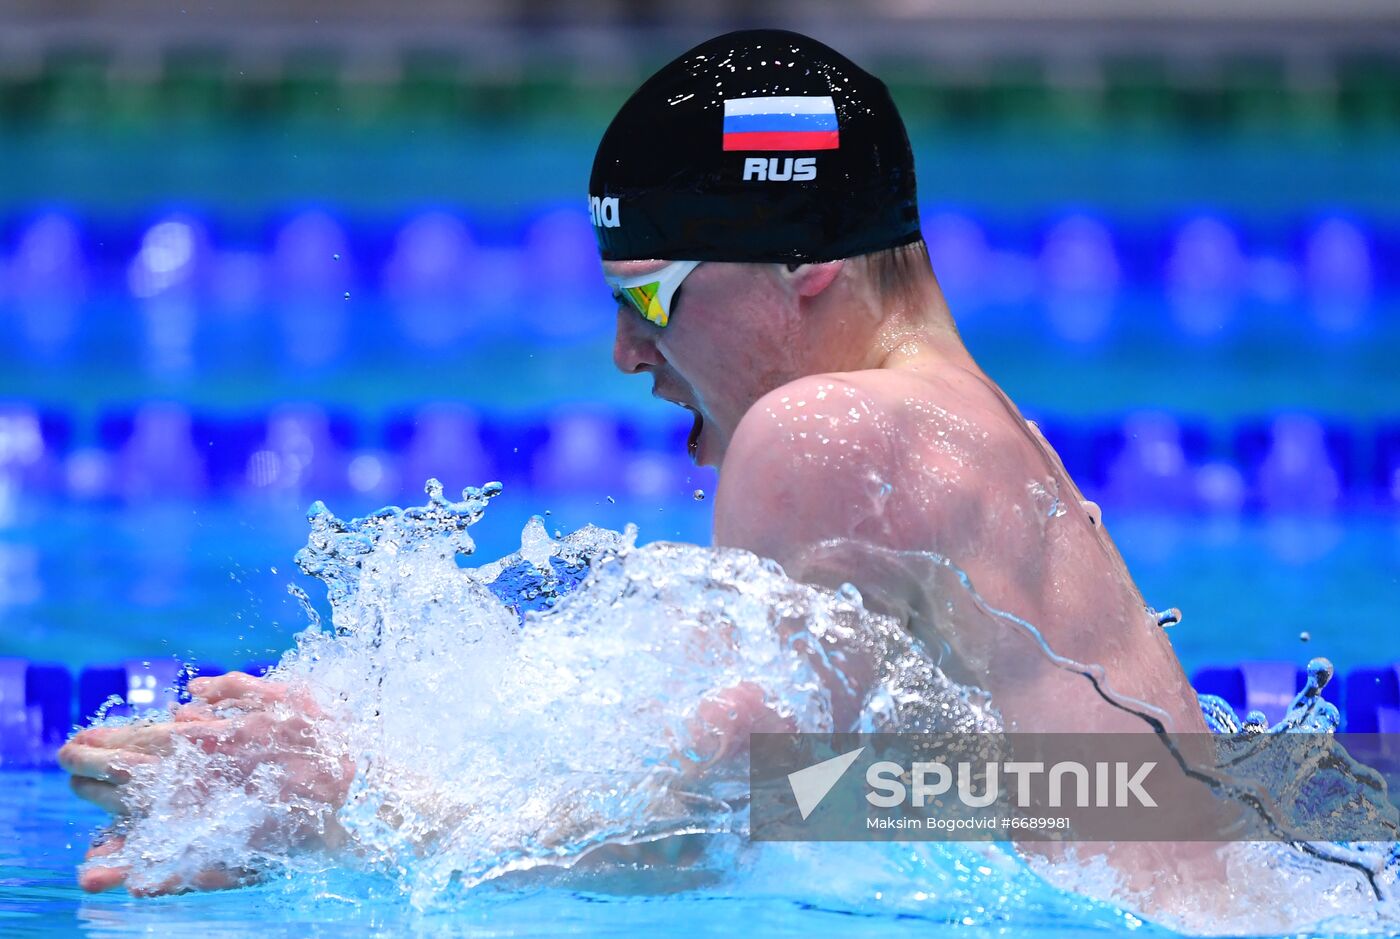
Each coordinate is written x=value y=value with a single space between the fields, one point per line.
x=811 y=279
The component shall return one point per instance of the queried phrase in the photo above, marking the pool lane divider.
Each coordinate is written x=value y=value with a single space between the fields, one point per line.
x=40 y=701
x=1252 y=462
x=36 y=703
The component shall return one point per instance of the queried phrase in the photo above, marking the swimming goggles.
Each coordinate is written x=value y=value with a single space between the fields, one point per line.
x=650 y=294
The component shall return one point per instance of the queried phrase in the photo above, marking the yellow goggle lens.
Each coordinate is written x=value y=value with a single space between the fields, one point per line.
x=645 y=300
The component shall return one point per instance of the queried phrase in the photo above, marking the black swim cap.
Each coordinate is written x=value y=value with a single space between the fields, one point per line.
x=758 y=145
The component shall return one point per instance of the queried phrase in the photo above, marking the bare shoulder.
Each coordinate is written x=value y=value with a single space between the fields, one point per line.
x=820 y=419
x=879 y=455
x=804 y=464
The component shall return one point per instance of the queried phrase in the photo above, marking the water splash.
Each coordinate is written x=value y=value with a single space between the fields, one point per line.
x=545 y=710
x=579 y=728
x=538 y=707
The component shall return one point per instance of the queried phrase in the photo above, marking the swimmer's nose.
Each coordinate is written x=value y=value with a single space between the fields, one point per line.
x=633 y=348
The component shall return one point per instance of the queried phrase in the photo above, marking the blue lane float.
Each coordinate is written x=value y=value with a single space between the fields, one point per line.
x=1345 y=251
x=137 y=685
x=1281 y=463
x=36 y=711
x=1373 y=700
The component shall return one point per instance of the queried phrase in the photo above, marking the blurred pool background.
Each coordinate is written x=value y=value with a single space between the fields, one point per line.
x=253 y=258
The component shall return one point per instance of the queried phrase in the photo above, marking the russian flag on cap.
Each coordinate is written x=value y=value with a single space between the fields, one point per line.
x=788 y=122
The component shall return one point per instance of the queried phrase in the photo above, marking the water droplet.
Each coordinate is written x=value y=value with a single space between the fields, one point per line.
x=1320 y=672
x=347 y=295
x=698 y=495
x=1304 y=636
x=535 y=545
x=611 y=501
x=336 y=256
x=273 y=569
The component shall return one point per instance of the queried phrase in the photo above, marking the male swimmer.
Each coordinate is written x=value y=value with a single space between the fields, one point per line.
x=754 y=203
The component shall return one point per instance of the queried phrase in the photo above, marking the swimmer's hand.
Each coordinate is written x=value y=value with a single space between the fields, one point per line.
x=251 y=721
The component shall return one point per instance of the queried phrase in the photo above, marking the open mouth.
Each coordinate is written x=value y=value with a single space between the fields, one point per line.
x=692 y=443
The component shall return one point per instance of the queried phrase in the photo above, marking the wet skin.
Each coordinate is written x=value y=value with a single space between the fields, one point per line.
x=927 y=456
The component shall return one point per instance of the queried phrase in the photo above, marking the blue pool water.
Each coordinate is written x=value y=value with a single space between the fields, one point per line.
x=43 y=833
